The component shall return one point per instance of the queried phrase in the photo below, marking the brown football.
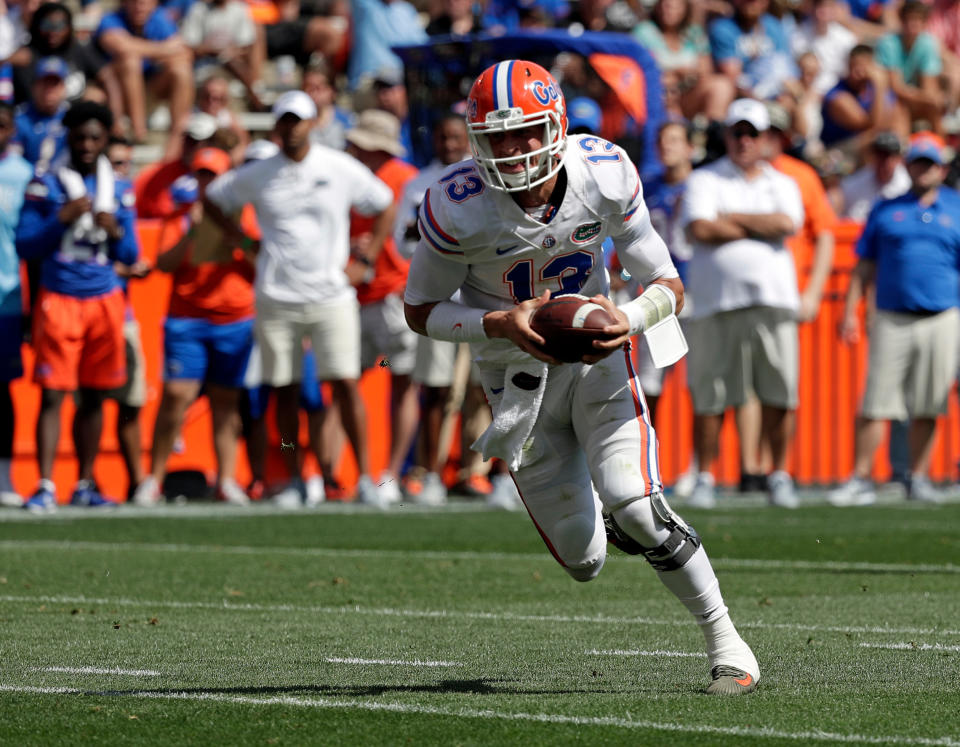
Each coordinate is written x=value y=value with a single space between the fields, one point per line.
x=569 y=325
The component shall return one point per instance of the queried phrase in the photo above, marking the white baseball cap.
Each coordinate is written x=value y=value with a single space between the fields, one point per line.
x=200 y=126
x=295 y=102
x=748 y=110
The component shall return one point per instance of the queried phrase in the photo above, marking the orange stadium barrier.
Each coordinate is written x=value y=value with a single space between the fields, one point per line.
x=831 y=381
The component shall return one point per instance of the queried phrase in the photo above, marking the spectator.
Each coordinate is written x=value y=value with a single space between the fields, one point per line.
x=132 y=396
x=944 y=25
x=910 y=252
x=332 y=121
x=207 y=336
x=303 y=29
x=807 y=117
x=375 y=143
x=869 y=19
x=456 y=17
x=40 y=132
x=435 y=359
x=213 y=98
x=911 y=58
x=52 y=35
x=829 y=40
x=813 y=244
x=738 y=212
x=682 y=52
x=153 y=183
x=379 y=25
x=302 y=195
x=752 y=50
x=884 y=178
x=80 y=221
x=15 y=174
x=221 y=33
x=860 y=103
x=390 y=94
x=144 y=49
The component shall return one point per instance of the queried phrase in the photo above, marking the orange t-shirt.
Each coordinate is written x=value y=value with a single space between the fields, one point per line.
x=220 y=293
x=818 y=215
x=390 y=268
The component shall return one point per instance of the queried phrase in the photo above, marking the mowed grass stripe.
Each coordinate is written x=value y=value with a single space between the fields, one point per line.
x=454 y=614
x=490 y=714
x=332 y=552
x=101 y=670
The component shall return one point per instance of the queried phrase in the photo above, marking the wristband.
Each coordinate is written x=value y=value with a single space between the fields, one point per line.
x=656 y=303
x=455 y=322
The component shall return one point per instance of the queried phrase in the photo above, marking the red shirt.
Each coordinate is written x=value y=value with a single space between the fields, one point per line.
x=390 y=269
x=152 y=190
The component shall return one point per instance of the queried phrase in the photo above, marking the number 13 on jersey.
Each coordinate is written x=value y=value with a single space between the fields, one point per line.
x=562 y=274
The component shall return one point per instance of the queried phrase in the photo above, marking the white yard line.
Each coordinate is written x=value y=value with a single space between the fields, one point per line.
x=451 y=614
x=100 y=670
x=392 y=662
x=634 y=652
x=490 y=715
x=333 y=552
x=906 y=646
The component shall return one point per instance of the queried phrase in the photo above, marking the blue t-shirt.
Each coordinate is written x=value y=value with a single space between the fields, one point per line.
x=764 y=53
x=377 y=26
x=33 y=128
x=917 y=252
x=663 y=201
x=15 y=174
x=159 y=27
x=76 y=262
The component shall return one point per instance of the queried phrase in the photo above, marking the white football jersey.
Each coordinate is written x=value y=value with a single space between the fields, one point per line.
x=479 y=240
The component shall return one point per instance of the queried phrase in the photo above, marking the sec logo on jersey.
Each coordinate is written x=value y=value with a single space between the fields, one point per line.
x=548 y=242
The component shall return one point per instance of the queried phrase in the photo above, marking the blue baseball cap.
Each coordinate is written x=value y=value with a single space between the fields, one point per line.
x=925 y=145
x=51 y=67
x=583 y=112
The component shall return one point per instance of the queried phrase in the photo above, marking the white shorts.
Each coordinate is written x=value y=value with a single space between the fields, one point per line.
x=593 y=429
x=435 y=361
x=384 y=331
x=734 y=354
x=333 y=330
x=134 y=392
x=912 y=365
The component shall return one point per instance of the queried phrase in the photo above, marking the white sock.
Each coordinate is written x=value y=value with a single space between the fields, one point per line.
x=696 y=586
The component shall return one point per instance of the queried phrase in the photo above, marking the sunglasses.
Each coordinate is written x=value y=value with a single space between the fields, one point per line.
x=738 y=132
x=121 y=162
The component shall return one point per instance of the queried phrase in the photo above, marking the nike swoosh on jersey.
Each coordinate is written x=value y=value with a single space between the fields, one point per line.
x=507 y=249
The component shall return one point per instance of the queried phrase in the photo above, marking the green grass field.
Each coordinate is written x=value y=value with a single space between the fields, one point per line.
x=210 y=625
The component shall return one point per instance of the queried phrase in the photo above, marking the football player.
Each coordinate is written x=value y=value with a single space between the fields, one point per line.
x=523 y=219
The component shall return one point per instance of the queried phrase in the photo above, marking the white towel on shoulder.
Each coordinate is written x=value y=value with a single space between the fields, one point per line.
x=104 y=201
x=516 y=413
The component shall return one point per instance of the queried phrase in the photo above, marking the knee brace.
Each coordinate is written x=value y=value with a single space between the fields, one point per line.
x=671 y=553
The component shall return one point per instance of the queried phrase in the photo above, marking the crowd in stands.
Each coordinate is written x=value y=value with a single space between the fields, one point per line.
x=171 y=97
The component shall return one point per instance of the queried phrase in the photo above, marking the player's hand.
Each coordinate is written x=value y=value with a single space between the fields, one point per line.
x=140 y=269
x=849 y=330
x=74 y=209
x=514 y=325
x=108 y=222
x=619 y=332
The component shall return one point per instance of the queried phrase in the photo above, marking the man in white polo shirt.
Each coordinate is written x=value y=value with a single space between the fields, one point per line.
x=303 y=196
x=741 y=278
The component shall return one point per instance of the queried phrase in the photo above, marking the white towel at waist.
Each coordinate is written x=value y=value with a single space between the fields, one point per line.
x=515 y=414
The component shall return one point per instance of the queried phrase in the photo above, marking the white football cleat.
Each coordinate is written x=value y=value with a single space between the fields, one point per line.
x=367 y=493
x=782 y=493
x=504 y=494
x=433 y=492
x=389 y=488
x=230 y=492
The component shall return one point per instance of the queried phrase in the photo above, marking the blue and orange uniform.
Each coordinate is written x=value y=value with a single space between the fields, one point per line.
x=78 y=317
